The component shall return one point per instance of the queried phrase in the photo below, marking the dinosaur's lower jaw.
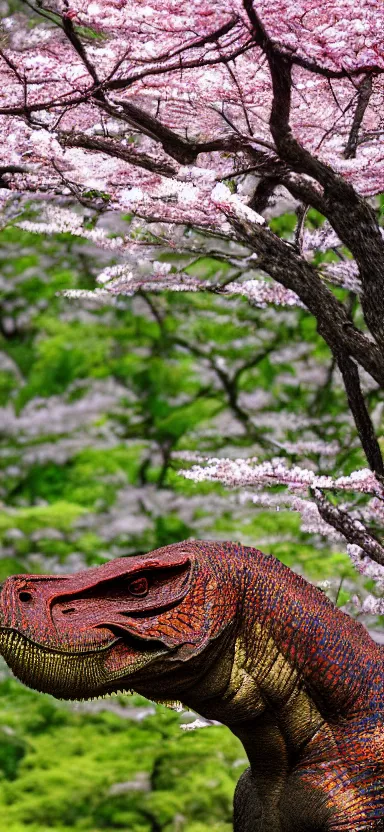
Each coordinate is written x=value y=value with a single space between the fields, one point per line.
x=76 y=675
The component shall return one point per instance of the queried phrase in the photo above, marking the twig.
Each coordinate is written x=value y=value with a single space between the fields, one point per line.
x=356 y=401
x=365 y=91
x=353 y=530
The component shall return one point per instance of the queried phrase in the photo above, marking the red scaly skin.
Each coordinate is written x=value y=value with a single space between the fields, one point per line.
x=240 y=638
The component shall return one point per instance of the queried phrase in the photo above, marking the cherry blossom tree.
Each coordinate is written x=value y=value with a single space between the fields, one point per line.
x=200 y=122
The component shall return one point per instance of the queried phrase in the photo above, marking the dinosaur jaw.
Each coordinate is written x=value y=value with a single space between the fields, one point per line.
x=76 y=675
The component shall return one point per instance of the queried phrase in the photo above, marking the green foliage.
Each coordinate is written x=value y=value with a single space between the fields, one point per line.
x=91 y=476
x=63 y=357
x=284 y=226
x=60 y=516
x=7 y=386
x=64 y=769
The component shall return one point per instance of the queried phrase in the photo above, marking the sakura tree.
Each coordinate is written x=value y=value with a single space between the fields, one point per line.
x=200 y=122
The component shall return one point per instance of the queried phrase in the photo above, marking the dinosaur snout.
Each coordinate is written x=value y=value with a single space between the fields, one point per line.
x=39 y=608
x=43 y=642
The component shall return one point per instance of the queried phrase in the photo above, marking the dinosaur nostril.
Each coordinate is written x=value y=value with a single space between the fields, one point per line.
x=68 y=610
x=25 y=596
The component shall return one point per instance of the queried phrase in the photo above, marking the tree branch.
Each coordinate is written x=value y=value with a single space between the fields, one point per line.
x=349 y=214
x=353 y=530
x=365 y=92
x=365 y=429
x=184 y=152
x=117 y=150
x=124 y=83
x=284 y=264
x=79 y=48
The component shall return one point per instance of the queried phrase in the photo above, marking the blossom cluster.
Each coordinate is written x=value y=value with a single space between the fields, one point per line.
x=202 y=76
x=246 y=473
x=236 y=473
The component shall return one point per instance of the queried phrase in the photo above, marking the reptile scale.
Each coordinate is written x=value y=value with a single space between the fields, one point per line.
x=239 y=638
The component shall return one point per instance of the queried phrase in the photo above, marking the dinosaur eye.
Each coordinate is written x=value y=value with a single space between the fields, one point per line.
x=138 y=586
x=25 y=596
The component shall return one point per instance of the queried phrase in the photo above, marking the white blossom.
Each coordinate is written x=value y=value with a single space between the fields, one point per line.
x=232 y=204
x=365 y=565
x=261 y=293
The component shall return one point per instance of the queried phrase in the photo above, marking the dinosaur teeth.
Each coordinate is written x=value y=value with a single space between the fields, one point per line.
x=173 y=704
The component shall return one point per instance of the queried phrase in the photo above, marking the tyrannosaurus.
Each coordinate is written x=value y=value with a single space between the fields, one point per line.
x=238 y=637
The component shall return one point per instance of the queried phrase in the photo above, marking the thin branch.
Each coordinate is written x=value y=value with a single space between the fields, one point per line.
x=76 y=192
x=364 y=94
x=321 y=397
x=365 y=429
x=353 y=530
x=240 y=93
x=155 y=312
x=124 y=83
x=212 y=37
x=60 y=101
x=79 y=48
x=11 y=65
x=117 y=150
x=55 y=18
x=230 y=386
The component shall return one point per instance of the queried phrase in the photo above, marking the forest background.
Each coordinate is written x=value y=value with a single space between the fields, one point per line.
x=94 y=400
x=103 y=400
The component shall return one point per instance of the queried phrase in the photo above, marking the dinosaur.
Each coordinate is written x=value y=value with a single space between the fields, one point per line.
x=238 y=637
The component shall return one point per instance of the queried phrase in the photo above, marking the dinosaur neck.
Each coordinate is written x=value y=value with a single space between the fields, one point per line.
x=293 y=636
x=293 y=655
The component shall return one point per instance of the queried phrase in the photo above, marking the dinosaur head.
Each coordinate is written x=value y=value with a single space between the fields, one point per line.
x=133 y=623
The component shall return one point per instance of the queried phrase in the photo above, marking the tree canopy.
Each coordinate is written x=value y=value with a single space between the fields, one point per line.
x=198 y=126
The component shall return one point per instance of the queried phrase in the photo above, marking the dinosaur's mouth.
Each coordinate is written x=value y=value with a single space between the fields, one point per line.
x=77 y=675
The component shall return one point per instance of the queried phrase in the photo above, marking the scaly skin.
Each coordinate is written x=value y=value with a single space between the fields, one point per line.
x=237 y=636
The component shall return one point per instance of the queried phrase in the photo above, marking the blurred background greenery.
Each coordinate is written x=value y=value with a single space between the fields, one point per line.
x=94 y=401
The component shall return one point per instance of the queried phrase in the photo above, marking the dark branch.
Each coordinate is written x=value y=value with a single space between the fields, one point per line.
x=212 y=37
x=262 y=40
x=301 y=214
x=184 y=152
x=263 y=192
x=61 y=101
x=365 y=92
x=117 y=150
x=78 y=47
x=284 y=264
x=371 y=447
x=353 y=530
x=124 y=83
